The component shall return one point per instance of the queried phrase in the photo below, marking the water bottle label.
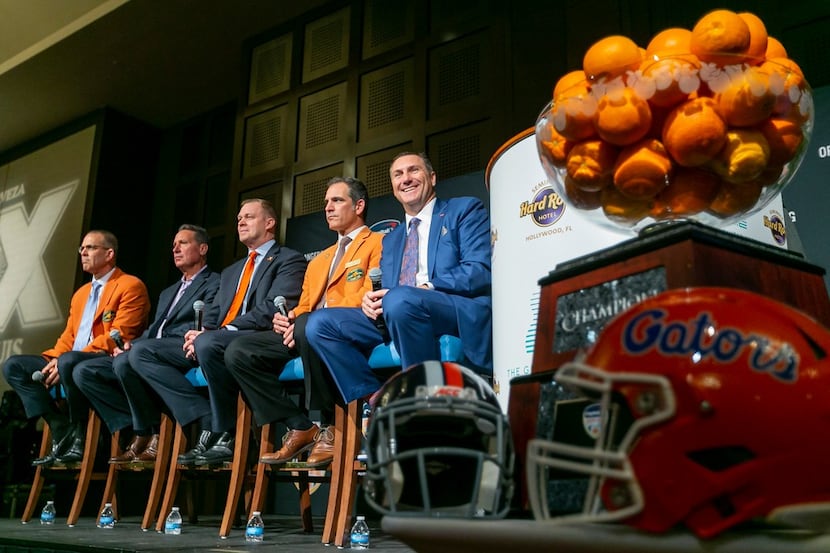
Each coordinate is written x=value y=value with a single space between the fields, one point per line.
x=254 y=531
x=47 y=517
x=360 y=539
x=172 y=526
x=106 y=520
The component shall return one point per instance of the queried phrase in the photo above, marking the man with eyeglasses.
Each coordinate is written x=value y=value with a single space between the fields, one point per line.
x=113 y=300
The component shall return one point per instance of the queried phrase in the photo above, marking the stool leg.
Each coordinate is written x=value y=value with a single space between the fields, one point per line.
x=173 y=476
x=348 y=476
x=336 y=468
x=37 y=481
x=112 y=477
x=93 y=427
x=159 y=471
x=266 y=445
x=239 y=465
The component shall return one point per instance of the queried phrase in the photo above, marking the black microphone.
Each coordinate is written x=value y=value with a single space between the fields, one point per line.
x=279 y=303
x=375 y=275
x=115 y=334
x=198 y=311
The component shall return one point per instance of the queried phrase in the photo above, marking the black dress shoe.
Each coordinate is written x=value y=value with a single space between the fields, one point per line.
x=220 y=452
x=206 y=440
x=75 y=453
x=59 y=447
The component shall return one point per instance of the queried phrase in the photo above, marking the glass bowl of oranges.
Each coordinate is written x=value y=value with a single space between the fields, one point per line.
x=707 y=124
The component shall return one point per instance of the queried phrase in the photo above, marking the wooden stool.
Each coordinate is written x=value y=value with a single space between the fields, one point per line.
x=86 y=471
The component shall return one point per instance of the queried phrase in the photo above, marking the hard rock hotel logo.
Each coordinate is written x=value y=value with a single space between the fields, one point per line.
x=545 y=209
x=775 y=222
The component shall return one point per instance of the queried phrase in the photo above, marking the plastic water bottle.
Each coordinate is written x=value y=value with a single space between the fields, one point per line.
x=360 y=534
x=173 y=524
x=107 y=518
x=255 y=528
x=47 y=515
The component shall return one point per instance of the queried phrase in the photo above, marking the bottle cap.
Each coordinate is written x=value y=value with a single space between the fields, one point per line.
x=257 y=513
x=50 y=502
x=361 y=517
x=107 y=504
x=175 y=508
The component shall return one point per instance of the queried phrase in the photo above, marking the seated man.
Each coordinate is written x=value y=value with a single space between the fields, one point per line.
x=337 y=277
x=113 y=300
x=243 y=304
x=436 y=281
x=117 y=393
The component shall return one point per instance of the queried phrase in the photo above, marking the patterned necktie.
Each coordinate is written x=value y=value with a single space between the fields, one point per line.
x=82 y=338
x=236 y=304
x=409 y=264
x=344 y=242
x=182 y=288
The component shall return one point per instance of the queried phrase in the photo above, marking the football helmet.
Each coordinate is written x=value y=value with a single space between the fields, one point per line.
x=705 y=407
x=439 y=445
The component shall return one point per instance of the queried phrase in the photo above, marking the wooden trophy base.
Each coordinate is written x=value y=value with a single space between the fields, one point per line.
x=580 y=296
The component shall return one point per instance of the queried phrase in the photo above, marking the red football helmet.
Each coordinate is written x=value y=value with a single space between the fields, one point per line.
x=706 y=407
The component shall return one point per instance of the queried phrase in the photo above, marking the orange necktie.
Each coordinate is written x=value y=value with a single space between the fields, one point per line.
x=240 y=292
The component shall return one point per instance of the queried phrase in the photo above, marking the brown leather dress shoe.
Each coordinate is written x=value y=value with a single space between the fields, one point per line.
x=136 y=446
x=148 y=456
x=323 y=451
x=294 y=442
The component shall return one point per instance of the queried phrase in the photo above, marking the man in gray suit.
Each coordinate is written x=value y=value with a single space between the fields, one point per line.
x=243 y=304
x=116 y=392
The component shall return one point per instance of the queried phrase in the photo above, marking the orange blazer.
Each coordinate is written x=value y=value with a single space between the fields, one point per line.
x=350 y=279
x=124 y=305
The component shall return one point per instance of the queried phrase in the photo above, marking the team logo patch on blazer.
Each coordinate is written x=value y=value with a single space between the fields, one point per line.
x=108 y=316
x=355 y=274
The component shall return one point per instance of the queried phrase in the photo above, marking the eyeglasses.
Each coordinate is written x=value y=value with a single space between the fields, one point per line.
x=91 y=247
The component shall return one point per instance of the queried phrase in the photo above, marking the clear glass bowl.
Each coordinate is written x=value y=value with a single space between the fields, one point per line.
x=677 y=139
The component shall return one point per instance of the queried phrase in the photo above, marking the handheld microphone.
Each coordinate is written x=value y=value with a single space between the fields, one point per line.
x=375 y=275
x=279 y=303
x=198 y=311
x=115 y=335
x=38 y=376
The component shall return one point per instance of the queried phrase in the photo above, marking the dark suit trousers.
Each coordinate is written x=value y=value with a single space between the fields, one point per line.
x=36 y=399
x=161 y=364
x=320 y=389
x=255 y=362
x=117 y=393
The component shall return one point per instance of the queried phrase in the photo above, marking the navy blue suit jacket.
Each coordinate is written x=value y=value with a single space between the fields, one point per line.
x=458 y=264
x=280 y=273
x=182 y=318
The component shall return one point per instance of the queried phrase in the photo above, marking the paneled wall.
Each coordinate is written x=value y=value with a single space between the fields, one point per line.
x=343 y=88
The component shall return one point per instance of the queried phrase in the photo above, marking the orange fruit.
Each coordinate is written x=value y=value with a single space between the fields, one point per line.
x=674 y=40
x=573 y=107
x=747 y=100
x=758 y=37
x=744 y=156
x=784 y=137
x=556 y=147
x=643 y=169
x=787 y=83
x=622 y=117
x=775 y=49
x=689 y=192
x=611 y=57
x=581 y=199
x=694 y=132
x=590 y=164
x=734 y=198
x=621 y=209
x=674 y=79
x=719 y=36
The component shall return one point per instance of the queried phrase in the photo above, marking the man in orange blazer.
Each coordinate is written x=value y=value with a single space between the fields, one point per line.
x=113 y=300
x=331 y=281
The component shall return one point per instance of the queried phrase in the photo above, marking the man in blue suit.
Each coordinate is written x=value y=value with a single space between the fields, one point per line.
x=436 y=280
x=114 y=389
x=244 y=304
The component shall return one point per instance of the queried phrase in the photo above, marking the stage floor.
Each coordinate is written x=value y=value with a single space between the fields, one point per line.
x=283 y=532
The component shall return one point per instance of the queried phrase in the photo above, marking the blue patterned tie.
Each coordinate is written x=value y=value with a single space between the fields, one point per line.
x=409 y=265
x=82 y=338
